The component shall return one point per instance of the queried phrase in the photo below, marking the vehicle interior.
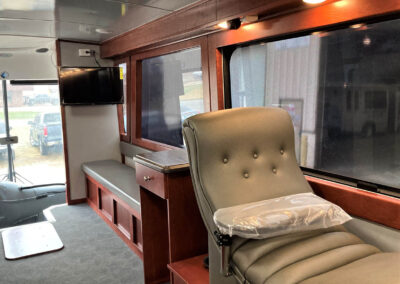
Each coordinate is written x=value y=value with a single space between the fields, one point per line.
x=200 y=141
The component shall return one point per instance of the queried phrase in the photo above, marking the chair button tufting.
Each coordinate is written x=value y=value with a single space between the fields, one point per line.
x=274 y=170
x=255 y=155
x=246 y=175
x=281 y=151
x=225 y=160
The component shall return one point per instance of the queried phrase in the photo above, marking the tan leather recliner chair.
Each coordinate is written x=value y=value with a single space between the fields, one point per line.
x=245 y=155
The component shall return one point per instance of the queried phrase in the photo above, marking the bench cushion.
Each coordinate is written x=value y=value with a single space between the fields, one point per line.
x=116 y=177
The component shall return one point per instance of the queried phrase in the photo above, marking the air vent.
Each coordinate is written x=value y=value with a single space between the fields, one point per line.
x=42 y=50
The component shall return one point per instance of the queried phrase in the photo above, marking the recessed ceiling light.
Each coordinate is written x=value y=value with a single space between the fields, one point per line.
x=42 y=50
x=233 y=24
x=367 y=41
x=223 y=25
x=313 y=1
x=103 y=31
x=356 y=26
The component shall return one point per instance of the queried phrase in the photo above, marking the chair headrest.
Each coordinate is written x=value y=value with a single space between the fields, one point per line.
x=243 y=155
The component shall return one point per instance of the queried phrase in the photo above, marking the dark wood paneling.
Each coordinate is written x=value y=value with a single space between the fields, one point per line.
x=371 y=206
x=155 y=237
x=123 y=220
x=66 y=158
x=91 y=191
x=137 y=237
x=120 y=201
x=132 y=246
x=190 y=271
x=106 y=201
x=187 y=233
x=181 y=22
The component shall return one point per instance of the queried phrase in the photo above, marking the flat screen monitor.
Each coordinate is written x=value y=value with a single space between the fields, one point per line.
x=91 y=86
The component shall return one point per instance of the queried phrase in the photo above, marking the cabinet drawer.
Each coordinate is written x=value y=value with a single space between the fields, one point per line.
x=151 y=180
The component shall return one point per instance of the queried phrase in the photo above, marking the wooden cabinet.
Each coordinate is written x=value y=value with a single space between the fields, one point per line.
x=172 y=227
x=124 y=220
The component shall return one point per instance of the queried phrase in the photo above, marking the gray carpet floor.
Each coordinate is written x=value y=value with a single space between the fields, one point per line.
x=92 y=253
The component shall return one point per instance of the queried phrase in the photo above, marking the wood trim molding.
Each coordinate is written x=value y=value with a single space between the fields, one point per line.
x=136 y=87
x=319 y=17
x=195 y=20
x=65 y=140
x=66 y=157
x=125 y=136
x=367 y=205
x=172 y=26
x=77 y=201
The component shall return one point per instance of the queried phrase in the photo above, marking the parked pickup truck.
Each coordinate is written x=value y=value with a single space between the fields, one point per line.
x=46 y=132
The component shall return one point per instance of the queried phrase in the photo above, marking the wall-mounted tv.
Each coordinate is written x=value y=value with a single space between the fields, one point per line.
x=90 y=86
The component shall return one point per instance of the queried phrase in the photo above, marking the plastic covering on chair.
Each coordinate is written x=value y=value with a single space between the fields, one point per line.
x=279 y=216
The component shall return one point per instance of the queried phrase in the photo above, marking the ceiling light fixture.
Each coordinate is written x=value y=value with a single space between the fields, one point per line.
x=233 y=24
x=103 y=31
x=356 y=26
x=223 y=25
x=313 y=1
x=367 y=41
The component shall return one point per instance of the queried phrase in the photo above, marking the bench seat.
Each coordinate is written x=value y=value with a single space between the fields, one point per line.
x=118 y=178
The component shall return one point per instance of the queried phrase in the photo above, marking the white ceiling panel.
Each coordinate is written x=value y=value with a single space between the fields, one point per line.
x=170 y=5
x=81 y=20
x=25 y=27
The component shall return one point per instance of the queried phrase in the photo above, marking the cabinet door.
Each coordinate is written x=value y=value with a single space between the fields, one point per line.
x=106 y=204
x=92 y=192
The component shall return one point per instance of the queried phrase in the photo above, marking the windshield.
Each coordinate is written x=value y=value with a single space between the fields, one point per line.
x=2 y=129
x=52 y=117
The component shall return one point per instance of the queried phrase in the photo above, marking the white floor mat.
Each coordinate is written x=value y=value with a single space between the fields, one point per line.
x=28 y=240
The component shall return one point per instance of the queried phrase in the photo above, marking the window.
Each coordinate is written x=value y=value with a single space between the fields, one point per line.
x=172 y=90
x=341 y=89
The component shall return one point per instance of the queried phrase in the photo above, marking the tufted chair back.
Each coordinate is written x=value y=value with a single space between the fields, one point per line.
x=241 y=155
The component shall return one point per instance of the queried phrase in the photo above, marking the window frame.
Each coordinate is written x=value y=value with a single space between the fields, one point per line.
x=136 y=83
x=224 y=54
x=125 y=136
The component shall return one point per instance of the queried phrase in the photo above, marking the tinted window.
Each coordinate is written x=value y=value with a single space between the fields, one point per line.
x=172 y=91
x=342 y=90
